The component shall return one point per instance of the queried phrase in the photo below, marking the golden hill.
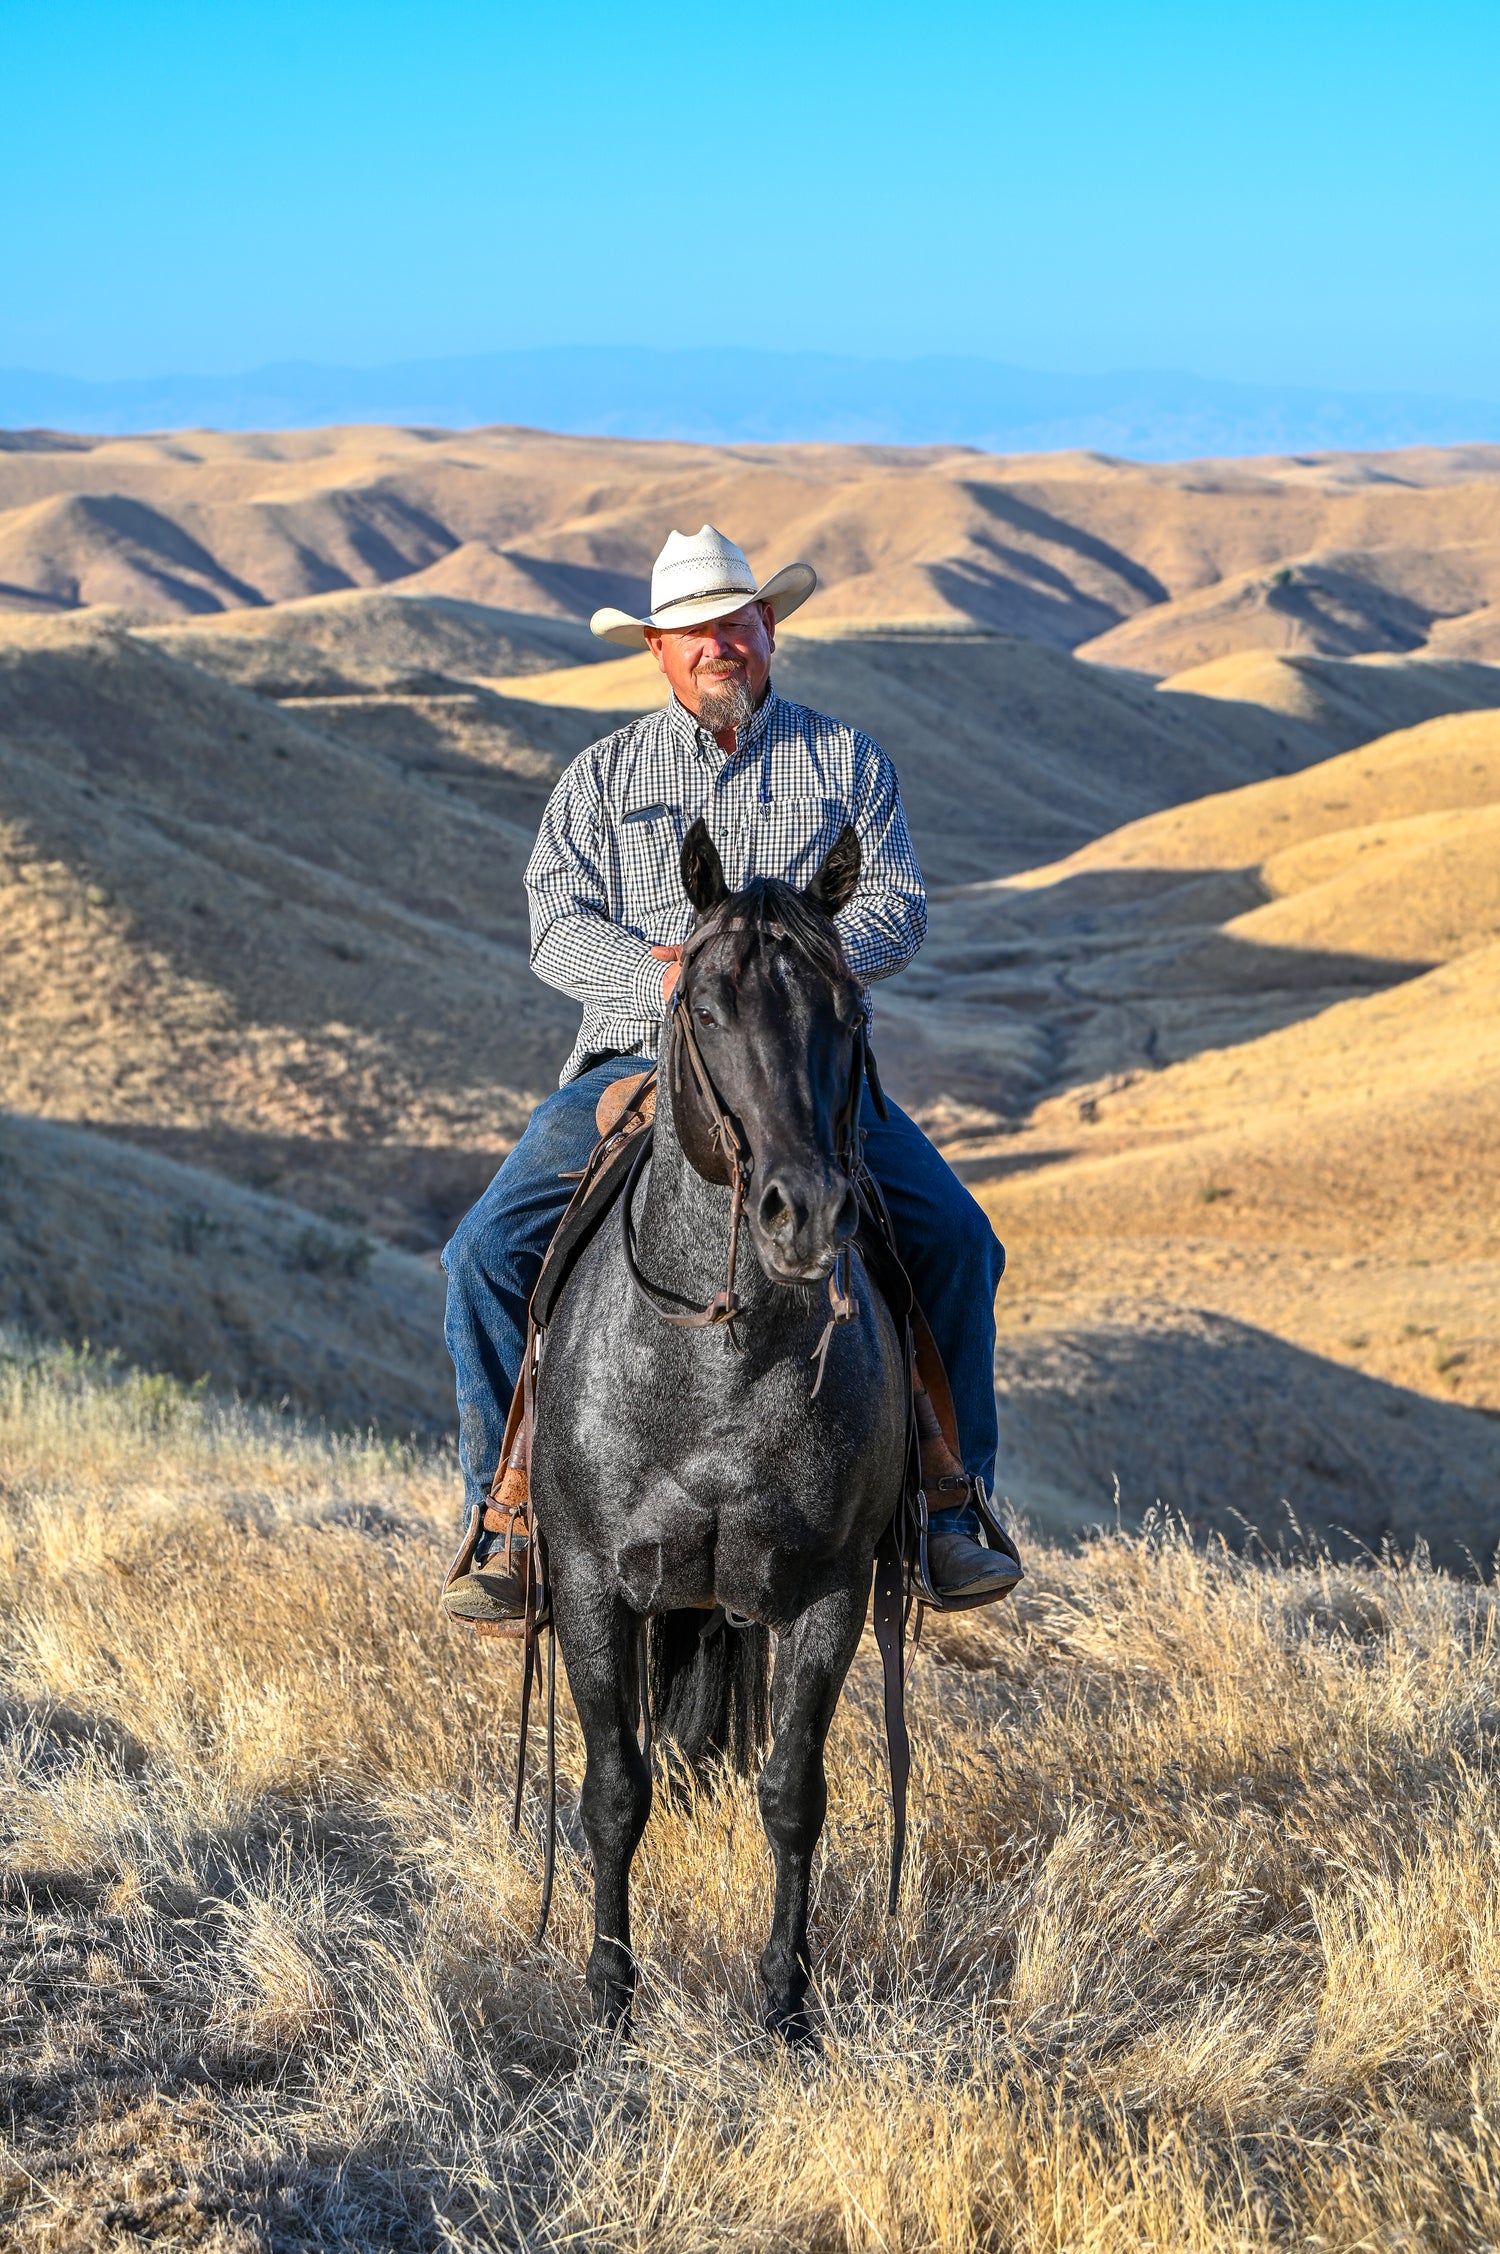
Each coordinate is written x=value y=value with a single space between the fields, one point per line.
x=367 y=635
x=1154 y=566
x=1328 y=603
x=1262 y=1181
x=1204 y=1011
x=1443 y=765
x=1005 y=748
x=284 y=935
x=173 y=1268
x=255 y=946
x=1345 y=701
x=1208 y=924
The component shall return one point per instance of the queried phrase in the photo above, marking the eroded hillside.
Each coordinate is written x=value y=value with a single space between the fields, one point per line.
x=1262 y=1185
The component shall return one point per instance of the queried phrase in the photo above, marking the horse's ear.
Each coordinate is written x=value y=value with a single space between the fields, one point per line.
x=834 y=885
x=702 y=870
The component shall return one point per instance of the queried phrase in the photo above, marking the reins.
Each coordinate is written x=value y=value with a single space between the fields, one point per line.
x=723 y=1307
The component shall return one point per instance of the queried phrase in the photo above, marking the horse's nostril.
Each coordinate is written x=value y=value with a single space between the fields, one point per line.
x=846 y=1221
x=775 y=1212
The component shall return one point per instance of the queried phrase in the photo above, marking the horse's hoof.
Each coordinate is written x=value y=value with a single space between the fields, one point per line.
x=608 y=2036
x=611 y=2004
x=794 y=2027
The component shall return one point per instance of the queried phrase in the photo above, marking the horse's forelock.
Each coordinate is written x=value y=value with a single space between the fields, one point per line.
x=774 y=913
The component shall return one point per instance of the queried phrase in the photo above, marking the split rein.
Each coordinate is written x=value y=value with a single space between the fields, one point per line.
x=722 y=1310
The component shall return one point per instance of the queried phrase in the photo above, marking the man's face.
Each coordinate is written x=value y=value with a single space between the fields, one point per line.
x=718 y=670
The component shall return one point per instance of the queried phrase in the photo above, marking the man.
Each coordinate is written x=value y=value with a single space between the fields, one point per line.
x=775 y=783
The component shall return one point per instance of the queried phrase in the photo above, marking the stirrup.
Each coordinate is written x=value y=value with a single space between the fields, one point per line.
x=996 y=1539
x=512 y=1560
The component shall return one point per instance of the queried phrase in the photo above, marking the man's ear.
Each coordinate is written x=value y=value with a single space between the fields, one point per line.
x=702 y=870
x=833 y=887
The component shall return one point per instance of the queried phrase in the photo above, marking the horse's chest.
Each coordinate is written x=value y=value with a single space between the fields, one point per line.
x=704 y=1477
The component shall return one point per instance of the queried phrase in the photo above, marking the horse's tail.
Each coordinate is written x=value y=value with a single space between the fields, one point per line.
x=709 y=1686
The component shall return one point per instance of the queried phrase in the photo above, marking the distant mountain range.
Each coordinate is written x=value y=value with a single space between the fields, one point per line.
x=722 y=396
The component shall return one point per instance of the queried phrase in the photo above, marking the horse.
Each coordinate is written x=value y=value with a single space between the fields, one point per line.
x=720 y=1459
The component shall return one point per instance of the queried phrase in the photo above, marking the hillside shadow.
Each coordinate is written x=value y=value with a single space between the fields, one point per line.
x=411 y=1194
x=582 y=588
x=1021 y=995
x=1238 y=1432
x=1005 y=506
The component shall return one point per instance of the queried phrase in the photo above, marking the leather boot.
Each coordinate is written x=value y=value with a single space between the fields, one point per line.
x=961 y=1568
x=488 y=1585
x=959 y=1565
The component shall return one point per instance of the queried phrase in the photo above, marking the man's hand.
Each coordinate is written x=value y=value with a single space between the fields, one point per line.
x=672 y=957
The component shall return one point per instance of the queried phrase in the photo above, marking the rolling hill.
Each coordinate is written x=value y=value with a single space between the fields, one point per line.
x=284 y=936
x=254 y=946
x=1345 y=701
x=1156 y=567
x=172 y=1267
x=1006 y=748
x=1256 y=1172
x=1207 y=1013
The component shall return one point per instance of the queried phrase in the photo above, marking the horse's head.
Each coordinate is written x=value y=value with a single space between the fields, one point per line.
x=770 y=1013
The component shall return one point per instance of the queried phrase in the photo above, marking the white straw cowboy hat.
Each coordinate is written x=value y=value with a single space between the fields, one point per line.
x=707 y=576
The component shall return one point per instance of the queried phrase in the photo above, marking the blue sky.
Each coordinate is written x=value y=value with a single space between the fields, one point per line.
x=1280 y=193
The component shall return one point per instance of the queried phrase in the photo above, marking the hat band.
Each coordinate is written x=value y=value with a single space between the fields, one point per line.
x=704 y=595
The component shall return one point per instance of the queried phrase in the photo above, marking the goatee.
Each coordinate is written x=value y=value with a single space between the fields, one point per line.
x=727 y=707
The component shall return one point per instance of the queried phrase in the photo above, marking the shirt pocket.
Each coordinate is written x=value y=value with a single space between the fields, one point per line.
x=648 y=850
x=790 y=836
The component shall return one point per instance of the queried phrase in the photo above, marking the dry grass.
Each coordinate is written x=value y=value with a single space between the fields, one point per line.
x=1199 y=1947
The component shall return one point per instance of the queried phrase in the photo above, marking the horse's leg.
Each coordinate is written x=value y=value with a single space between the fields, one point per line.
x=812 y=1660
x=598 y=1634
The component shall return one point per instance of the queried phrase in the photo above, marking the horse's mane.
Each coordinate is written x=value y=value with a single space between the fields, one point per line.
x=776 y=912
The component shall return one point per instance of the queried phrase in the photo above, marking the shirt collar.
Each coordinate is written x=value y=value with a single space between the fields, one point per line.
x=687 y=733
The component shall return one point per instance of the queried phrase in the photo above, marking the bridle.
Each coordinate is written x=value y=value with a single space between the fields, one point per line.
x=739 y=1164
x=724 y=1306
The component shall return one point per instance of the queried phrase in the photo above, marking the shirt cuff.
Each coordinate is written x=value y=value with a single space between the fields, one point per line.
x=645 y=989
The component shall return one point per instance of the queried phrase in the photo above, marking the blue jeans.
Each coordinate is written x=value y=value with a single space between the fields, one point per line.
x=948 y=1248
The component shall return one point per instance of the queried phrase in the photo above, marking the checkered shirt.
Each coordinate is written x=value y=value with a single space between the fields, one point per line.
x=603 y=879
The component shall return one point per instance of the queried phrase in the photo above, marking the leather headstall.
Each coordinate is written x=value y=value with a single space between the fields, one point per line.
x=727 y=1142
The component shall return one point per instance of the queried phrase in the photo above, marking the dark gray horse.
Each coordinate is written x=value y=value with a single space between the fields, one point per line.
x=680 y=1474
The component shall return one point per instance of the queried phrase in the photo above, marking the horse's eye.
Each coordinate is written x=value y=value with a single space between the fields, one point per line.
x=704 y=1017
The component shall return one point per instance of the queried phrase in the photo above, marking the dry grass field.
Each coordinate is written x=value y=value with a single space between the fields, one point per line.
x=1198 y=1948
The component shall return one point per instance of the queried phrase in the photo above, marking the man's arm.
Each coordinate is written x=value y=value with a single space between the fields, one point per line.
x=574 y=945
x=886 y=921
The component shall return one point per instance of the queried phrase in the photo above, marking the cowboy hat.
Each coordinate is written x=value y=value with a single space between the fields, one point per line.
x=694 y=580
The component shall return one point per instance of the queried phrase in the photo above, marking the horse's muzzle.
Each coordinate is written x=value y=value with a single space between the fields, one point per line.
x=800 y=1218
